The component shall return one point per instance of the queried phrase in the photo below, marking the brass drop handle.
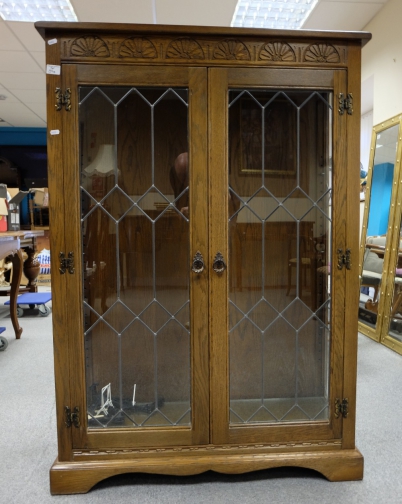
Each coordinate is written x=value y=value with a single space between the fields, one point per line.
x=219 y=264
x=198 y=263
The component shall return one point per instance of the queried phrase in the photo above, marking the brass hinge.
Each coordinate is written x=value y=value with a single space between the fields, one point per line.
x=345 y=103
x=341 y=408
x=72 y=418
x=63 y=99
x=344 y=259
x=66 y=263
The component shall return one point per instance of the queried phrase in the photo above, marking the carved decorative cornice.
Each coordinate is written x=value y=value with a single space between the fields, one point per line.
x=89 y=47
x=138 y=47
x=277 y=51
x=165 y=49
x=321 y=53
x=231 y=50
x=185 y=48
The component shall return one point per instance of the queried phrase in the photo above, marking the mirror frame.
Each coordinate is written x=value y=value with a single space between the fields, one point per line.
x=380 y=332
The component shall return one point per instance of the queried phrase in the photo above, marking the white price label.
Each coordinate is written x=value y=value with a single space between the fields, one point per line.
x=53 y=69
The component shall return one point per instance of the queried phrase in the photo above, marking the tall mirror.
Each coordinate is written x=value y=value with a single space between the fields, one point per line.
x=391 y=333
x=378 y=225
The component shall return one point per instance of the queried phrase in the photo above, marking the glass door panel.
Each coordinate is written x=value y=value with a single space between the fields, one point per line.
x=139 y=182
x=279 y=255
x=283 y=367
x=134 y=222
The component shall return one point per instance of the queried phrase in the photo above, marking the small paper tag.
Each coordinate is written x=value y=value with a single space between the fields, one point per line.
x=53 y=69
x=52 y=41
x=55 y=132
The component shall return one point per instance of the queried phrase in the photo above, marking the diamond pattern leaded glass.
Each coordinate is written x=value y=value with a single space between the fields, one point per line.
x=279 y=246
x=133 y=206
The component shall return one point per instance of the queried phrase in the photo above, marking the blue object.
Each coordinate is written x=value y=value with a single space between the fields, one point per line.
x=380 y=199
x=3 y=341
x=22 y=136
x=33 y=298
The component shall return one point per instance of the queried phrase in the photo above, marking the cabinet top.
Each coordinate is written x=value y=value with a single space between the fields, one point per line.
x=50 y=29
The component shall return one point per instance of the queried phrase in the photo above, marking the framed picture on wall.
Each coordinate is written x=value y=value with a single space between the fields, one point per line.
x=268 y=139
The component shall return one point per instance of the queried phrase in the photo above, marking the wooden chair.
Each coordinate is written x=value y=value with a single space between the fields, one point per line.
x=312 y=258
x=373 y=264
x=305 y=245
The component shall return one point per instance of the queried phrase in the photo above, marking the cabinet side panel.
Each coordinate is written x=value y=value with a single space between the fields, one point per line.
x=57 y=212
x=352 y=242
x=72 y=245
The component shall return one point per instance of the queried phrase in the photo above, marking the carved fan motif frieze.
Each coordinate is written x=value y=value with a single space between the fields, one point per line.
x=231 y=50
x=322 y=53
x=277 y=51
x=138 y=47
x=89 y=47
x=185 y=48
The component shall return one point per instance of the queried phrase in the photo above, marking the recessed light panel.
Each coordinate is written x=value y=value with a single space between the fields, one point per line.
x=37 y=10
x=284 y=14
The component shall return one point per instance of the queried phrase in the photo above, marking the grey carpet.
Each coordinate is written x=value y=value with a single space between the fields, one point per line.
x=28 y=443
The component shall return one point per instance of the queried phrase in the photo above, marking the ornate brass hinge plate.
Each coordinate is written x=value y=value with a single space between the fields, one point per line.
x=72 y=418
x=63 y=99
x=341 y=408
x=344 y=259
x=345 y=103
x=66 y=263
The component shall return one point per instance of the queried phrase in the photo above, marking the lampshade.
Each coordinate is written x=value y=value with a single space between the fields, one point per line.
x=103 y=164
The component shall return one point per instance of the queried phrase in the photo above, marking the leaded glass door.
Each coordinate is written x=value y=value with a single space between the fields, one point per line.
x=203 y=293
x=141 y=174
x=275 y=297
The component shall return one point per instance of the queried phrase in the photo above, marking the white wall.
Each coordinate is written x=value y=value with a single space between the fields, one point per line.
x=382 y=58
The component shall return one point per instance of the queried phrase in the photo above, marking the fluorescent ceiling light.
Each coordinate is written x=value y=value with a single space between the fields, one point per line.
x=284 y=14
x=37 y=10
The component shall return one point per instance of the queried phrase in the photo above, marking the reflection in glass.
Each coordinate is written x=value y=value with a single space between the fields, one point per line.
x=378 y=216
x=280 y=187
x=395 y=324
x=134 y=205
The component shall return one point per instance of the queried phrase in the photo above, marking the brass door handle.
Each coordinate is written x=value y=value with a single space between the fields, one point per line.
x=219 y=264
x=198 y=263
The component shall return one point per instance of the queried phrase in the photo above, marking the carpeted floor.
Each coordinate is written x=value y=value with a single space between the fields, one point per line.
x=28 y=443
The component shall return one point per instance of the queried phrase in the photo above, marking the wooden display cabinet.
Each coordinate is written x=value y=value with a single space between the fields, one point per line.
x=203 y=182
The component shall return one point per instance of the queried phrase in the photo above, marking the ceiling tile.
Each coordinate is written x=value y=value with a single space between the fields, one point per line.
x=29 y=121
x=205 y=13
x=104 y=11
x=383 y=2
x=27 y=35
x=30 y=95
x=17 y=114
x=40 y=57
x=8 y=41
x=352 y=16
x=22 y=80
x=18 y=61
x=11 y=98
x=39 y=109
